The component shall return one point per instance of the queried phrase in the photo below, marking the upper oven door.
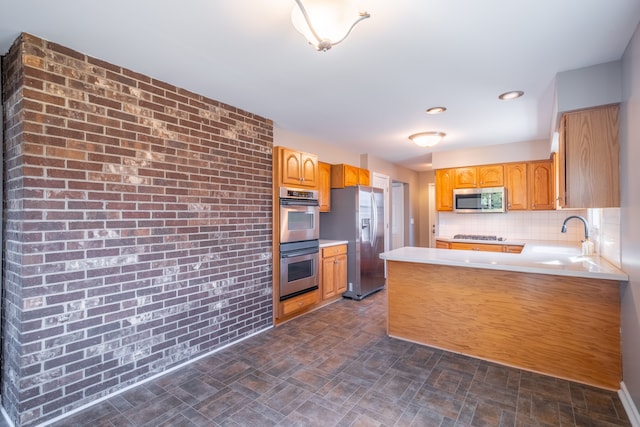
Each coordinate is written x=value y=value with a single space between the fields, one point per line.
x=299 y=220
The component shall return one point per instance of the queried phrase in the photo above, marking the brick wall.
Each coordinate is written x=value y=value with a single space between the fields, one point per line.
x=138 y=228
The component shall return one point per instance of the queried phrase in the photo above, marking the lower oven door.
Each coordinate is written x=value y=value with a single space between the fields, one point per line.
x=298 y=270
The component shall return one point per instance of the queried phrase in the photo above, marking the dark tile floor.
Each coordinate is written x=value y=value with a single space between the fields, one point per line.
x=337 y=367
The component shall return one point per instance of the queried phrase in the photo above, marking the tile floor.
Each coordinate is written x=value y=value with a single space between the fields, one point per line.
x=336 y=367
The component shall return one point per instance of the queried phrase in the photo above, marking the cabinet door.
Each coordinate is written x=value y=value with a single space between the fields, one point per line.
x=350 y=174
x=328 y=278
x=541 y=185
x=299 y=302
x=298 y=169
x=324 y=186
x=485 y=247
x=344 y=175
x=340 y=271
x=466 y=177
x=309 y=170
x=444 y=189
x=441 y=244
x=491 y=176
x=589 y=173
x=290 y=167
x=516 y=185
x=364 y=177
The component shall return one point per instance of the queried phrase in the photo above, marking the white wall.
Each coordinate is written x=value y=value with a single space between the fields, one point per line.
x=325 y=151
x=501 y=153
x=603 y=81
x=630 y=215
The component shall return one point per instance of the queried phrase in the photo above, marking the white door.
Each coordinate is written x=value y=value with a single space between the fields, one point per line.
x=382 y=181
x=397 y=215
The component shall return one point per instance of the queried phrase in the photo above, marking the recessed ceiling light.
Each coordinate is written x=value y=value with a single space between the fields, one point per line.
x=436 y=110
x=511 y=95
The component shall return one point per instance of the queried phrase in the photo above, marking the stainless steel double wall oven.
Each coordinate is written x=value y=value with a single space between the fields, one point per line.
x=299 y=246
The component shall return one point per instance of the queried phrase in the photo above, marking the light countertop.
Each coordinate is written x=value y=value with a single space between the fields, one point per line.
x=324 y=242
x=538 y=256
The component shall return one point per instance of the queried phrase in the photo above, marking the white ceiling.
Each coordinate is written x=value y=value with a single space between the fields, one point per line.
x=368 y=93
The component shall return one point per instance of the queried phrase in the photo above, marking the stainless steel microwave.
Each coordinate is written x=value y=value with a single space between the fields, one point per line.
x=480 y=200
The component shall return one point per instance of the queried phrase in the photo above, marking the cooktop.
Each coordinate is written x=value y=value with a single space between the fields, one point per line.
x=477 y=237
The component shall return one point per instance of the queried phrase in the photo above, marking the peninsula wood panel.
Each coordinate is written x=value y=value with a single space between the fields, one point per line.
x=565 y=327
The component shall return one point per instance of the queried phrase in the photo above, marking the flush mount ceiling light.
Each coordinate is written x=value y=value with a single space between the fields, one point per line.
x=511 y=95
x=427 y=139
x=436 y=110
x=325 y=23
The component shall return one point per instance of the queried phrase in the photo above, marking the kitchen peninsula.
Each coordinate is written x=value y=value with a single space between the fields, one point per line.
x=548 y=310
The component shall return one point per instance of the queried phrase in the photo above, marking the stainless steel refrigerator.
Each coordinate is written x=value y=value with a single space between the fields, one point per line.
x=357 y=216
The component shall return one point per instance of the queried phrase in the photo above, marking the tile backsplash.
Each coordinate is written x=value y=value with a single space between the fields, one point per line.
x=604 y=227
x=538 y=225
x=606 y=233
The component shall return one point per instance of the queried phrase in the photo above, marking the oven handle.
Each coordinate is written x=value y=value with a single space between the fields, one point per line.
x=291 y=254
x=298 y=202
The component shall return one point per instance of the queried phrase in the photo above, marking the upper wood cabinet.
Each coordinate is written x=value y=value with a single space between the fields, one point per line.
x=541 y=183
x=529 y=185
x=297 y=168
x=364 y=177
x=589 y=161
x=480 y=176
x=444 y=189
x=344 y=175
x=324 y=186
x=491 y=176
x=516 y=185
x=466 y=177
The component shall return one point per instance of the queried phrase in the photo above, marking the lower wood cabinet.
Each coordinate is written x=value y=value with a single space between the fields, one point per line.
x=441 y=244
x=485 y=247
x=300 y=302
x=334 y=271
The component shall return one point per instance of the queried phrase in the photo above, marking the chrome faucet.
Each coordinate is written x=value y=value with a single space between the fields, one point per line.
x=584 y=221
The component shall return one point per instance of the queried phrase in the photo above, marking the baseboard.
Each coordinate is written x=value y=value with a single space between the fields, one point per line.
x=629 y=406
x=6 y=417
x=146 y=380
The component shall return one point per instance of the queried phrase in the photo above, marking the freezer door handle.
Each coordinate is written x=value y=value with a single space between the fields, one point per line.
x=374 y=218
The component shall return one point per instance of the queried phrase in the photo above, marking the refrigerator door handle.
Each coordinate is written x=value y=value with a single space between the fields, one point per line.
x=374 y=219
